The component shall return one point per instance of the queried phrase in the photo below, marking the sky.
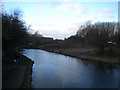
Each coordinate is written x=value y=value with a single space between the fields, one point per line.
x=61 y=19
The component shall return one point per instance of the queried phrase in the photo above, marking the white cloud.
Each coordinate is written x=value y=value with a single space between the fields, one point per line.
x=60 y=28
x=57 y=27
x=76 y=8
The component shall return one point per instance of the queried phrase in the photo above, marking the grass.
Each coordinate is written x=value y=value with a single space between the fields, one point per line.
x=25 y=60
x=85 y=54
x=26 y=77
x=28 y=72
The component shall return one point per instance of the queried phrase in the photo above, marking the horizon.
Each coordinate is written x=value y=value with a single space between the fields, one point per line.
x=63 y=19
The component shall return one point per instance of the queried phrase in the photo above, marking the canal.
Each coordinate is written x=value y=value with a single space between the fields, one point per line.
x=52 y=70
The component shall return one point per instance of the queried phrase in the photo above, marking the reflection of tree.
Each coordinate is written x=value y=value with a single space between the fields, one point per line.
x=106 y=76
x=103 y=76
x=105 y=67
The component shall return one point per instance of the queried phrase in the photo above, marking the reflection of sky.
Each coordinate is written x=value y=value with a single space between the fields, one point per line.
x=55 y=70
x=62 y=19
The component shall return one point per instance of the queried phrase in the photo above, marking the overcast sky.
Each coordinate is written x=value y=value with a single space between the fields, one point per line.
x=62 y=19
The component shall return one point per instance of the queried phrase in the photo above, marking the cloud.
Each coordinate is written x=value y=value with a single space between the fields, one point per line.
x=76 y=8
x=60 y=28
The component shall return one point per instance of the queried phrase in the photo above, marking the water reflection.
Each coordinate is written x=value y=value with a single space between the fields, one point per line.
x=58 y=71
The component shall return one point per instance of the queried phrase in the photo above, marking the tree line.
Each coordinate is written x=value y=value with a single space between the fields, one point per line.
x=99 y=35
x=15 y=35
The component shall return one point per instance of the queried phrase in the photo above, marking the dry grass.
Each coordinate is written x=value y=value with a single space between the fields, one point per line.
x=85 y=54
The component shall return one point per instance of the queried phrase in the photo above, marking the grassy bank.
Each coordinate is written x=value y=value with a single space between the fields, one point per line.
x=18 y=75
x=85 y=54
x=28 y=63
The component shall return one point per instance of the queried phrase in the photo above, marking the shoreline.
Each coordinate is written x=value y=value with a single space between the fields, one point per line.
x=93 y=58
x=18 y=75
x=28 y=72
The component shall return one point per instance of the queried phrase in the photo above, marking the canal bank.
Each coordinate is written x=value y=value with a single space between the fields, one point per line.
x=28 y=63
x=89 y=56
x=17 y=75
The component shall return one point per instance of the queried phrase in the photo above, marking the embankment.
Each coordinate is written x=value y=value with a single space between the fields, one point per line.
x=85 y=54
x=28 y=63
x=17 y=75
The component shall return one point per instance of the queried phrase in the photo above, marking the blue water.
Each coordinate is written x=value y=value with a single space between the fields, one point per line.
x=52 y=70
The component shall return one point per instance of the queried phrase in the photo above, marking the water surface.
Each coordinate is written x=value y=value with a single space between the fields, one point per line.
x=52 y=70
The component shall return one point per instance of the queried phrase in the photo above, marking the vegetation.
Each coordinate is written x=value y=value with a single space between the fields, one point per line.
x=20 y=73
x=95 y=42
x=37 y=39
x=15 y=36
x=100 y=35
x=25 y=61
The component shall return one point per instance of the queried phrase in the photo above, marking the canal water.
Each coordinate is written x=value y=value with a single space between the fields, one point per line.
x=51 y=70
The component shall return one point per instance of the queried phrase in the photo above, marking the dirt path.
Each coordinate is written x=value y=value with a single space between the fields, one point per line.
x=13 y=76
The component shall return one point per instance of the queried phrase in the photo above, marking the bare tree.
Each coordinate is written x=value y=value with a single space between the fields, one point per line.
x=97 y=34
